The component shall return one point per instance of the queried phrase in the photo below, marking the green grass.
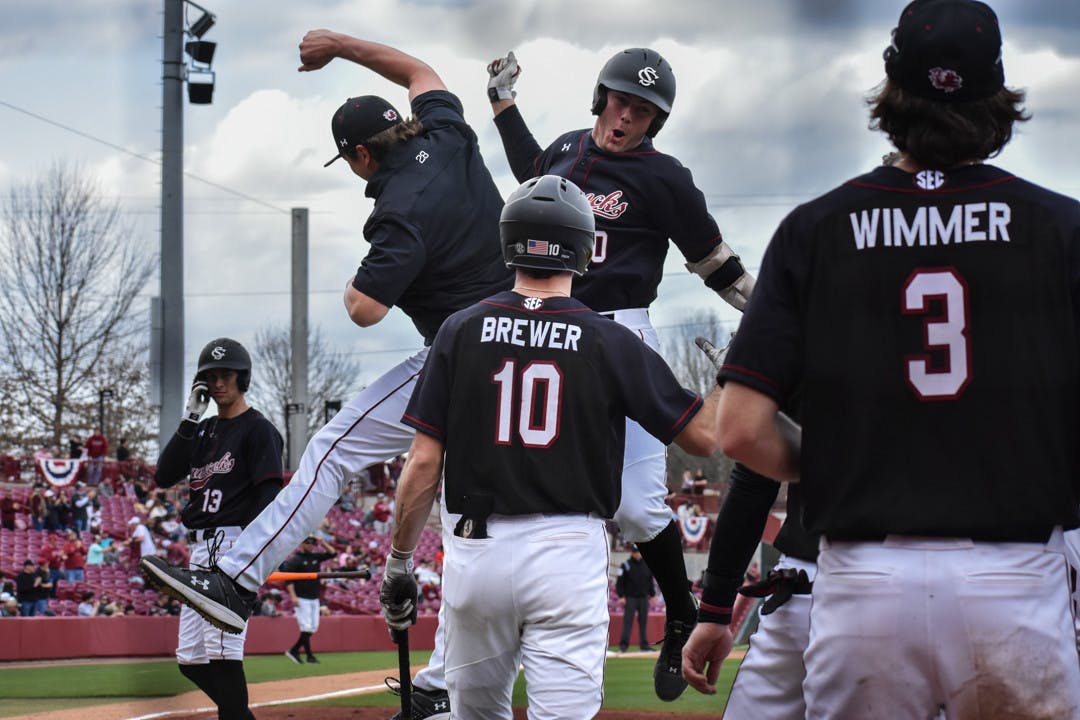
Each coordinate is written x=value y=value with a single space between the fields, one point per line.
x=37 y=688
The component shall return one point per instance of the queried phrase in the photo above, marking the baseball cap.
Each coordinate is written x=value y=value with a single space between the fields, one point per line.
x=310 y=539
x=946 y=50
x=360 y=118
x=134 y=521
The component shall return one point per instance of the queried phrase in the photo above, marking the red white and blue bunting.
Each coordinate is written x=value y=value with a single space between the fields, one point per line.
x=693 y=528
x=60 y=472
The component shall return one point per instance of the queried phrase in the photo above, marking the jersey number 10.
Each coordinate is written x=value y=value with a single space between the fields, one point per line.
x=536 y=429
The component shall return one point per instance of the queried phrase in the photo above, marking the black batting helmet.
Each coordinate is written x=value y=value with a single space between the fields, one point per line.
x=641 y=72
x=547 y=224
x=228 y=354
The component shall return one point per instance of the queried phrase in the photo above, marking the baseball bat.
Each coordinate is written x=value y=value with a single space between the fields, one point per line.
x=287 y=576
x=401 y=637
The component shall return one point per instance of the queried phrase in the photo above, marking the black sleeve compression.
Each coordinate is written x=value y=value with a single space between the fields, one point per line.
x=520 y=146
x=174 y=464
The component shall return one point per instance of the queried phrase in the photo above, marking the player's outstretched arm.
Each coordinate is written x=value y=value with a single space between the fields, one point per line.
x=319 y=47
x=703 y=654
x=502 y=74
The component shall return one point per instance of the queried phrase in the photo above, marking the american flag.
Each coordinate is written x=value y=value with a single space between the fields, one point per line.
x=537 y=247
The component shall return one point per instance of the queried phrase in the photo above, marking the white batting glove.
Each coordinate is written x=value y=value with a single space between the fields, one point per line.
x=398 y=593
x=503 y=73
x=198 y=401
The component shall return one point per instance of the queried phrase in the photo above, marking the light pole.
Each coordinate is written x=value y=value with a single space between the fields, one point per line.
x=169 y=309
x=103 y=395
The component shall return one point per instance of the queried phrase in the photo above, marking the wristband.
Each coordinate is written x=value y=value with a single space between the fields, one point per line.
x=708 y=613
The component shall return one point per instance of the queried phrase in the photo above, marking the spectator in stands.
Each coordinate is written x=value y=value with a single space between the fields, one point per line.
x=80 y=508
x=62 y=506
x=9 y=506
x=122 y=451
x=381 y=514
x=87 y=608
x=95 y=554
x=107 y=488
x=74 y=556
x=9 y=606
x=394 y=467
x=112 y=551
x=140 y=541
x=700 y=482
x=106 y=607
x=36 y=503
x=50 y=558
x=377 y=473
x=43 y=453
x=32 y=588
x=347 y=501
x=178 y=553
x=75 y=448
x=268 y=605
x=687 y=486
x=426 y=575
x=97 y=447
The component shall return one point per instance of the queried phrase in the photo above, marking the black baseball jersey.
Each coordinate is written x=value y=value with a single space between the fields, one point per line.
x=434 y=232
x=640 y=199
x=306 y=562
x=226 y=461
x=933 y=320
x=530 y=398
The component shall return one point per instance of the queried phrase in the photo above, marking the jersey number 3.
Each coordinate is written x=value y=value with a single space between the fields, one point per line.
x=947 y=332
x=537 y=425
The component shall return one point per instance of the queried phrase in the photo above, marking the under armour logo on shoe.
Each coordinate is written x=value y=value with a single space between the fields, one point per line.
x=205 y=584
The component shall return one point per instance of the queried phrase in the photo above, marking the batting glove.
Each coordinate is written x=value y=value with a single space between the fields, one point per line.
x=197 y=401
x=716 y=355
x=398 y=593
x=503 y=73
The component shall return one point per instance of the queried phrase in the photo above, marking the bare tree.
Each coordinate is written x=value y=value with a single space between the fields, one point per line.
x=71 y=273
x=331 y=375
x=696 y=372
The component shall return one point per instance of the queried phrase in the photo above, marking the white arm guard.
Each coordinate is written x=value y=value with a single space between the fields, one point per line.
x=738 y=293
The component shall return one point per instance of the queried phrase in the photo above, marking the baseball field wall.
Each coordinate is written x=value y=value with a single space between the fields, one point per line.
x=51 y=638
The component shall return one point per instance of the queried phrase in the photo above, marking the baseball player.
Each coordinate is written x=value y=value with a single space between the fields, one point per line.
x=641 y=198
x=523 y=402
x=232 y=461
x=434 y=250
x=305 y=594
x=888 y=302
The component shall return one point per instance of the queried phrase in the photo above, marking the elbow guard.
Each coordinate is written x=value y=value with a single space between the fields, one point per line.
x=723 y=272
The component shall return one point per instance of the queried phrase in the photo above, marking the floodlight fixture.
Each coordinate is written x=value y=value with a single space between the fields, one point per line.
x=204 y=23
x=200 y=87
x=201 y=51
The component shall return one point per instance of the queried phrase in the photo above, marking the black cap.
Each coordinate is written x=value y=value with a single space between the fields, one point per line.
x=360 y=118
x=947 y=50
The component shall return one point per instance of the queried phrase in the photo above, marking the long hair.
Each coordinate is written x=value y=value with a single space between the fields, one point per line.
x=943 y=135
x=380 y=143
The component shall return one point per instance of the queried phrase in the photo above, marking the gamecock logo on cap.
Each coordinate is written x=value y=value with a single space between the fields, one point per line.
x=647 y=76
x=945 y=79
x=390 y=116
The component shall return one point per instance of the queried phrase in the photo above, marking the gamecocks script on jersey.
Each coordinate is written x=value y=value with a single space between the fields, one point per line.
x=527 y=332
x=931 y=225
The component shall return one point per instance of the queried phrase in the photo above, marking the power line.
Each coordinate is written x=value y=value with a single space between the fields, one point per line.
x=114 y=146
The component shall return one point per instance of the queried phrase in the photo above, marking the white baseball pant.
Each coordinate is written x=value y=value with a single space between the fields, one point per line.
x=307 y=614
x=198 y=641
x=768 y=684
x=910 y=626
x=1072 y=555
x=507 y=605
x=366 y=431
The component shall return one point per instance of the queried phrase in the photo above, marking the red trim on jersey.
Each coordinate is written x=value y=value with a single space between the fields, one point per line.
x=424 y=426
x=920 y=191
x=746 y=371
x=307 y=492
x=697 y=401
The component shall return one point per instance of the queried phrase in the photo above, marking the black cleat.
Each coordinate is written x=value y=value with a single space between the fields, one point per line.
x=667 y=674
x=211 y=593
x=426 y=704
x=312 y=660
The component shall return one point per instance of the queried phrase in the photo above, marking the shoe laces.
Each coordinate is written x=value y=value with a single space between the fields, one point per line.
x=213 y=546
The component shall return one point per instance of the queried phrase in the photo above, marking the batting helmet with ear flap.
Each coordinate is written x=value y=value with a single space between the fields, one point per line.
x=641 y=72
x=228 y=354
x=547 y=224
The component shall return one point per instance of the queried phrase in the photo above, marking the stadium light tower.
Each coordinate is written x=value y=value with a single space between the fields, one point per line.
x=167 y=341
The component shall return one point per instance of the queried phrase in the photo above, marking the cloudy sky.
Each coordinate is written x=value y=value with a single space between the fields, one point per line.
x=769 y=113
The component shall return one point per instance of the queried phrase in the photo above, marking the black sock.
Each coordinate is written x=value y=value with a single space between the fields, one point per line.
x=305 y=642
x=203 y=677
x=664 y=556
x=232 y=687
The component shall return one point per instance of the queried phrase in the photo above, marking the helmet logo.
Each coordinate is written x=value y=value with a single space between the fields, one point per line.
x=647 y=76
x=532 y=303
x=218 y=352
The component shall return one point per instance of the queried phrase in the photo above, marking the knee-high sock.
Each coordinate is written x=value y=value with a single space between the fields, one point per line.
x=203 y=677
x=302 y=643
x=664 y=556
x=232 y=688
